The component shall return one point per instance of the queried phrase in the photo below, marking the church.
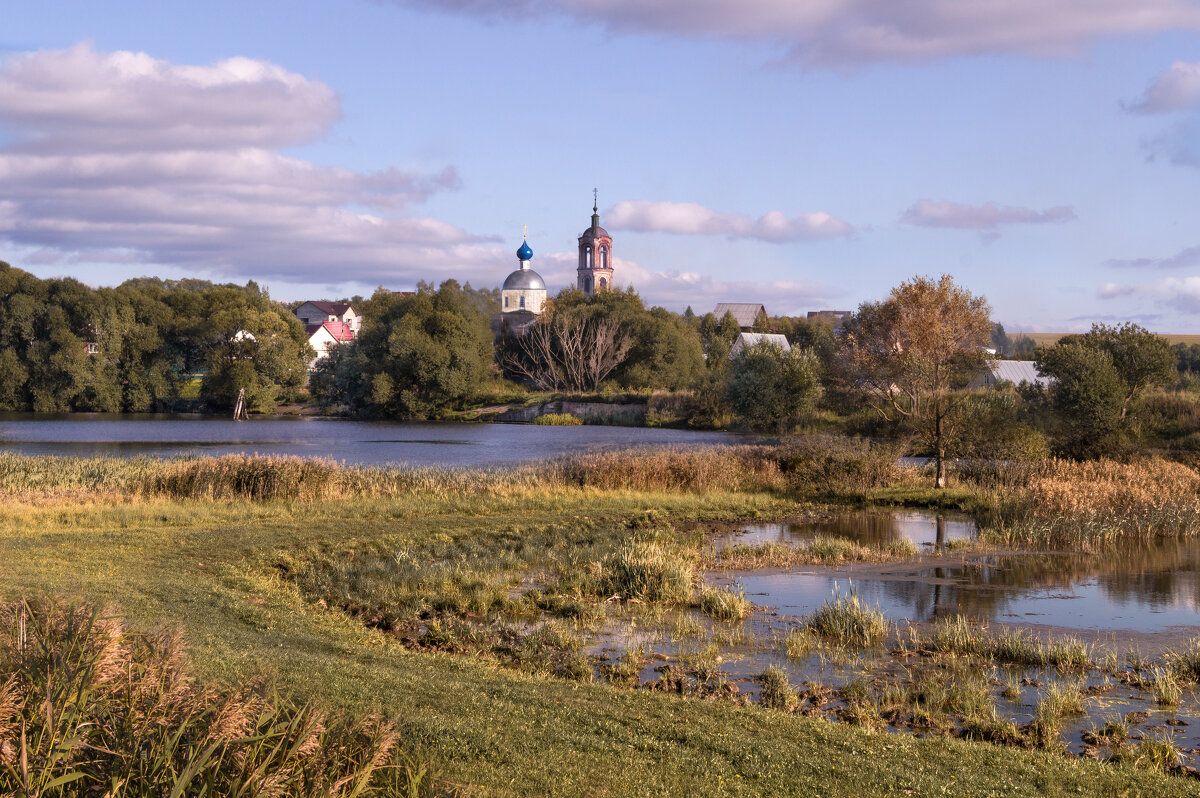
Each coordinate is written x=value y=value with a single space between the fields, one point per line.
x=524 y=292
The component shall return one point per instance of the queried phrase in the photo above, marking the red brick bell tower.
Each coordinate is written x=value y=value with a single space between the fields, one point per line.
x=595 y=272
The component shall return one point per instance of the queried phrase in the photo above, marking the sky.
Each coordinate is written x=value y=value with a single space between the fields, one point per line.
x=806 y=155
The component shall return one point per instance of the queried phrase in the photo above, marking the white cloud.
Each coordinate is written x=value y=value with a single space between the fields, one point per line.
x=1177 y=89
x=1184 y=259
x=690 y=218
x=1179 y=293
x=985 y=217
x=122 y=158
x=841 y=32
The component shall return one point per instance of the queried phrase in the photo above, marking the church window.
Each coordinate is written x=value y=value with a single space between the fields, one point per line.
x=589 y=257
x=602 y=283
x=522 y=301
x=603 y=259
x=505 y=301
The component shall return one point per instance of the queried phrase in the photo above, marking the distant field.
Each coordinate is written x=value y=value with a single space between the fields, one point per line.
x=1045 y=339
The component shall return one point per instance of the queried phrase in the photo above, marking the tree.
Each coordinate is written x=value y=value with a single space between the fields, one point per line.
x=1142 y=359
x=1097 y=376
x=912 y=355
x=564 y=351
x=768 y=387
x=415 y=355
x=1087 y=395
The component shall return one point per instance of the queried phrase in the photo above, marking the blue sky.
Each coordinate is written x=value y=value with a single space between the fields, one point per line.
x=805 y=155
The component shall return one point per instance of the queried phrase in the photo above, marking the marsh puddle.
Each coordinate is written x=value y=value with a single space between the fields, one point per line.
x=869 y=527
x=1144 y=588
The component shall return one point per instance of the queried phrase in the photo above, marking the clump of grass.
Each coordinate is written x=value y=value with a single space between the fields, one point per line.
x=626 y=670
x=777 y=692
x=990 y=727
x=1013 y=647
x=799 y=643
x=1165 y=688
x=1012 y=687
x=847 y=620
x=1055 y=703
x=558 y=420
x=833 y=548
x=1185 y=664
x=90 y=707
x=648 y=572
x=902 y=548
x=687 y=627
x=725 y=604
x=1157 y=752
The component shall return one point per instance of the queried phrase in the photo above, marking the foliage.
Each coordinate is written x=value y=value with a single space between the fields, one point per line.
x=911 y=355
x=415 y=356
x=64 y=346
x=768 y=387
x=558 y=420
x=1097 y=376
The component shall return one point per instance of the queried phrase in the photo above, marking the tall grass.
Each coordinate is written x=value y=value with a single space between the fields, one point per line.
x=1011 y=647
x=89 y=708
x=648 y=572
x=1088 y=505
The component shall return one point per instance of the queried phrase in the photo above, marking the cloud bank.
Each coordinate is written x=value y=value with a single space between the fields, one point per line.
x=1184 y=259
x=847 y=32
x=1177 y=89
x=985 y=218
x=121 y=157
x=690 y=218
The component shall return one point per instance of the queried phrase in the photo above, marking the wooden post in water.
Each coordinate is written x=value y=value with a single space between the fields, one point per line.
x=239 y=409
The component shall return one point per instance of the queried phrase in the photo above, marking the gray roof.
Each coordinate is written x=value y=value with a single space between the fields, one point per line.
x=1017 y=372
x=748 y=339
x=524 y=280
x=744 y=313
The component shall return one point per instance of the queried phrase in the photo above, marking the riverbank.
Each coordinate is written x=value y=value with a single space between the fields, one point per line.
x=459 y=604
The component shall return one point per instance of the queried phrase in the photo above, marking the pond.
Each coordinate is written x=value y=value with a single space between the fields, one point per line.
x=354 y=442
x=1145 y=588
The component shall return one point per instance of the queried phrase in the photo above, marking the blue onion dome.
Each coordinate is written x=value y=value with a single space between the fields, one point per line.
x=524 y=253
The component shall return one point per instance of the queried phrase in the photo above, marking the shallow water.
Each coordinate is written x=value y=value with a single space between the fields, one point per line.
x=1143 y=588
x=354 y=442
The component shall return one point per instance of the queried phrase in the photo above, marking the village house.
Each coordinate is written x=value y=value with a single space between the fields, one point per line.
x=318 y=312
x=1015 y=371
x=749 y=339
x=748 y=315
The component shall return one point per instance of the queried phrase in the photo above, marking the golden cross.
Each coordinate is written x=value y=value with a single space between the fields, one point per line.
x=524 y=231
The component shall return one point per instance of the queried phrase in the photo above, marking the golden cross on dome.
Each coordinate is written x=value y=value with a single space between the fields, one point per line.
x=524 y=231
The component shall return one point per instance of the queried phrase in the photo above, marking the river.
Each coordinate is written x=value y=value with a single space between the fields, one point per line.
x=354 y=442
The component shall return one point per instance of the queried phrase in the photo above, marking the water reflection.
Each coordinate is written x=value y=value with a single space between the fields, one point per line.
x=871 y=527
x=1147 y=587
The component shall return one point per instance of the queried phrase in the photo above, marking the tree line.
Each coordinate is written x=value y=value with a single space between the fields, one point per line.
x=899 y=368
x=147 y=345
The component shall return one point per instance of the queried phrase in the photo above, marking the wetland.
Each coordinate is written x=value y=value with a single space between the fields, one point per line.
x=738 y=619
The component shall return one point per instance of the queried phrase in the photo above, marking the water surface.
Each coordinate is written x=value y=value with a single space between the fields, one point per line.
x=355 y=442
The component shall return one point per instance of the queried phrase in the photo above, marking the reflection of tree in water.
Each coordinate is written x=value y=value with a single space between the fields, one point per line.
x=876 y=528
x=1152 y=577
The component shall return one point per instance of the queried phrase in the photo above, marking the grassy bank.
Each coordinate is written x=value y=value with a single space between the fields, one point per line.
x=324 y=580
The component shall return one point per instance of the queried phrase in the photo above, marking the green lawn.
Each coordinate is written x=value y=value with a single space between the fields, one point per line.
x=212 y=570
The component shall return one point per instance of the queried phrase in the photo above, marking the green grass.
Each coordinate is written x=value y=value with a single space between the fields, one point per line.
x=222 y=573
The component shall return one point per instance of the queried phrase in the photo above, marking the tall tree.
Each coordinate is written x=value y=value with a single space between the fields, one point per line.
x=768 y=387
x=912 y=355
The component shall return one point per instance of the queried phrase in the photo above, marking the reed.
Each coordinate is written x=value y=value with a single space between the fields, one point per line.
x=89 y=708
x=1090 y=505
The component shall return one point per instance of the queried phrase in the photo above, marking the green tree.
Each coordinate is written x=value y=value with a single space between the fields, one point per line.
x=415 y=355
x=1088 y=396
x=1142 y=359
x=768 y=388
x=911 y=356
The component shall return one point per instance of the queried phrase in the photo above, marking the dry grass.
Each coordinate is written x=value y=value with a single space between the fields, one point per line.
x=89 y=708
x=1086 y=505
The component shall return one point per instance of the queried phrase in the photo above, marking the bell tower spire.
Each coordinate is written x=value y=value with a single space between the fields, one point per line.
x=595 y=272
